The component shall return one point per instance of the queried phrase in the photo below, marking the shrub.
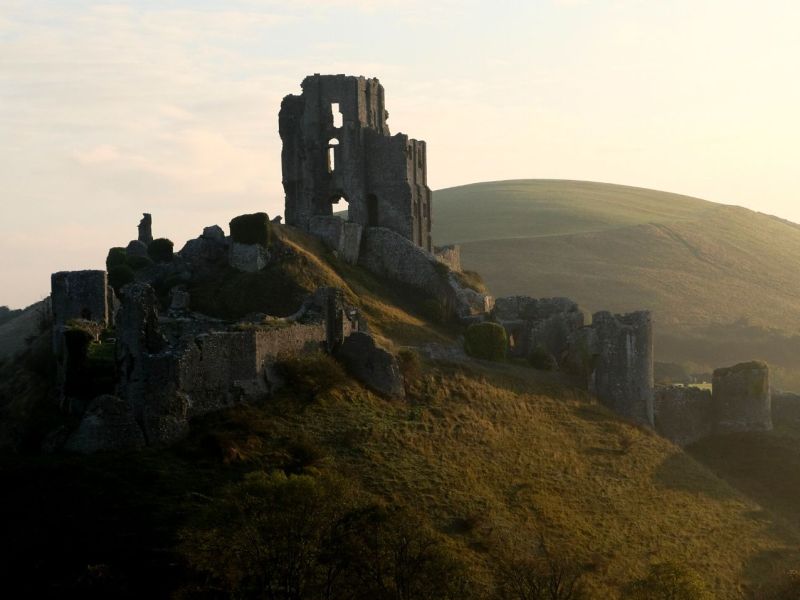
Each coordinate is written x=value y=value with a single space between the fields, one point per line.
x=251 y=229
x=486 y=340
x=267 y=533
x=120 y=275
x=434 y=310
x=670 y=581
x=410 y=363
x=541 y=358
x=544 y=576
x=311 y=375
x=116 y=257
x=160 y=250
x=139 y=262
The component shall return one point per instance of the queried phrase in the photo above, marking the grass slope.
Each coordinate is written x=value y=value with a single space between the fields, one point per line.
x=492 y=455
x=693 y=263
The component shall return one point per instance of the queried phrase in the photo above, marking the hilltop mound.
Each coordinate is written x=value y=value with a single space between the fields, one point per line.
x=493 y=458
x=720 y=280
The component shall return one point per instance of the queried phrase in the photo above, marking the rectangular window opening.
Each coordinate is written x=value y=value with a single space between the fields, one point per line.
x=337 y=116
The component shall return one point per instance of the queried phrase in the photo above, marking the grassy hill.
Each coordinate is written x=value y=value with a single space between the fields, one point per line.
x=721 y=280
x=492 y=457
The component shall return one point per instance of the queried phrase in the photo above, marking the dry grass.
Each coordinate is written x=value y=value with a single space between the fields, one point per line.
x=513 y=453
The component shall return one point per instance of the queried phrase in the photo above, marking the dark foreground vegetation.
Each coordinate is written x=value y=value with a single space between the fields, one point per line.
x=474 y=488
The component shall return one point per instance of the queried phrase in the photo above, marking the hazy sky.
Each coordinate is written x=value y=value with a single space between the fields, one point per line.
x=170 y=107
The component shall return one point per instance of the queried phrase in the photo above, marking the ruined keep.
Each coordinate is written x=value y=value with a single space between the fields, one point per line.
x=82 y=295
x=337 y=145
x=623 y=363
x=742 y=398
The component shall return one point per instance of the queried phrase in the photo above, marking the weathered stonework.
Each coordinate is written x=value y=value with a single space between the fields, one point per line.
x=383 y=178
x=146 y=229
x=683 y=414
x=390 y=255
x=742 y=399
x=342 y=236
x=374 y=366
x=78 y=295
x=175 y=367
x=535 y=325
x=450 y=256
x=249 y=258
x=623 y=364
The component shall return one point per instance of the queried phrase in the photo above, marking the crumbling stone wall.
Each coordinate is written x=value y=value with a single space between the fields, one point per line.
x=146 y=229
x=622 y=377
x=742 y=399
x=382 y=177
x=342 y=236
x=683 y=414
x=176 y=367
x=78 y=295
x=449 y=255
x=538 y=324
x=614 y=357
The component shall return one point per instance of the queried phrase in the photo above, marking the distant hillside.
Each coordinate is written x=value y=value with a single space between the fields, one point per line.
x=22 y=324
x=695 y=264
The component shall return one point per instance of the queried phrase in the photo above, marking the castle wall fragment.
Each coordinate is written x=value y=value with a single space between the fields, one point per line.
x=742 y=399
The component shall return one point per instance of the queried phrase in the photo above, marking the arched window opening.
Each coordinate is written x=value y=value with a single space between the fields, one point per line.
x=332 y=144
x=372 y=210
x=338 y=118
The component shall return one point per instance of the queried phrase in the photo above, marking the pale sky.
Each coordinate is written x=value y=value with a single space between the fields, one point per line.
x=108 y=110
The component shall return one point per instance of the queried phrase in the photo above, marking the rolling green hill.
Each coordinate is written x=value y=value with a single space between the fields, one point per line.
x=721 y=280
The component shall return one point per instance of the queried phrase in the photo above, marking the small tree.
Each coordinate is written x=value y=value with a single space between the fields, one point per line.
x=668 y=581
x=263 y=537
x=546 y=575
x=160 y=250
x=251 y=229
x=389 y=553
x=486 y=340
x=541 y=358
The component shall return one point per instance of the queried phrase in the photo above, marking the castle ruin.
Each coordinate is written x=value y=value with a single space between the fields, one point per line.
x=170 y=363
x=337 y=146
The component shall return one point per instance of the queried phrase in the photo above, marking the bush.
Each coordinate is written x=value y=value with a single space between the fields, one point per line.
x=251 y=229
x=541 y=358
x=486 y=340
x=120 y=275
x=160 y=250
x=434 y=310
x=116 y=257
x=305 y=536
x=670 y=581
x=311 y=375
x=139 y=262
x=410 y=364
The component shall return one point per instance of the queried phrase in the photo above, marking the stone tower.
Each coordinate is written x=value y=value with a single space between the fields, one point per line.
x=623 y=364
x=337 y=146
